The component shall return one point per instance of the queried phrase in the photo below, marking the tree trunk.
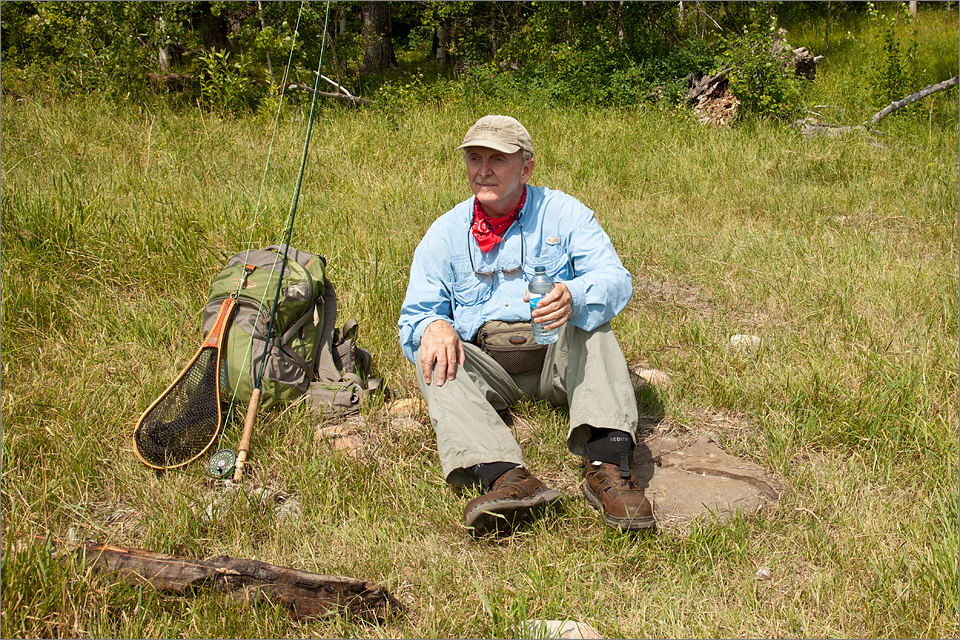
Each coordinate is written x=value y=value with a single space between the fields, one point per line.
x=164 y=52
x=913 y=8
x=826 y=31
x=809 y=127
x=493 y=30
x=734 y=25
x=263 y=27
x=617 y=12
x=442 y=30
x=914 y=97
x=213 y=28
x=378 y=52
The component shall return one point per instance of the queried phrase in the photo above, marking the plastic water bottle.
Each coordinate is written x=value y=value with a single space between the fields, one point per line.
x=540 y=285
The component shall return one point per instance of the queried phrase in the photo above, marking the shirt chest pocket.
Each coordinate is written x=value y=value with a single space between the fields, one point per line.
x=554 y=260
x=469 y=293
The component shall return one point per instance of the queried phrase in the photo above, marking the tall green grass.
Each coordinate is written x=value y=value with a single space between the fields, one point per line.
x=840 y=254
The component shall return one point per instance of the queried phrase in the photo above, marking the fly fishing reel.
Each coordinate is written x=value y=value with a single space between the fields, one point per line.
x=222 y=464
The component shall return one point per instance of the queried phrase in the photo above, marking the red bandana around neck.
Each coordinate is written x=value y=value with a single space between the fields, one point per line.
x=489 y=231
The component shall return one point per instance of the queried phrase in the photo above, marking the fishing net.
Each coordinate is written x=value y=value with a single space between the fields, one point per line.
x=183 y=422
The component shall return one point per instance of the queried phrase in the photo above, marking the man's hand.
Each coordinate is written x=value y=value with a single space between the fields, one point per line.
x=440 y=344
x=555 y=308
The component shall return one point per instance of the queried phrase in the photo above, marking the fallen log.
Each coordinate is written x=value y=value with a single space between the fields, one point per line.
x=809 y=127
x=172 y=81
x=304 y=594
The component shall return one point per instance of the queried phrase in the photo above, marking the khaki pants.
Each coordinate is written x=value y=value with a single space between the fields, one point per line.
x=583 y=370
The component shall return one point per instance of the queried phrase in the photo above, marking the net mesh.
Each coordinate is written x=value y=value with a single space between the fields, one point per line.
x=185 y=419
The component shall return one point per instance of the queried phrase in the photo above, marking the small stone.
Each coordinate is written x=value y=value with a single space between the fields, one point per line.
x=289 y=510
x=764 y=574
x=745 y=343
x=407 y=407
x=406 y=425
x=564 y=629
x=651 y=377
x=342 y=437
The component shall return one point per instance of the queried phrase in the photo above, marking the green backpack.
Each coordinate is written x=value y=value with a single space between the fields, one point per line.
x=307 y=356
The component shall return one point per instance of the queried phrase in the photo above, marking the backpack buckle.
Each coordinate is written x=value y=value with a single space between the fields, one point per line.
x=247 y=270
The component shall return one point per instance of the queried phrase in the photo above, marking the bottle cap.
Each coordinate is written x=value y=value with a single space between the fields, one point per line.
x=540 y=270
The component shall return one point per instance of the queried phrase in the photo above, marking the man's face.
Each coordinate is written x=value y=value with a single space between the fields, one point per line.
x=497 y=179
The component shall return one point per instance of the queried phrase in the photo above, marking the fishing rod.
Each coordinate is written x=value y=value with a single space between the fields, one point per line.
x=251 y=415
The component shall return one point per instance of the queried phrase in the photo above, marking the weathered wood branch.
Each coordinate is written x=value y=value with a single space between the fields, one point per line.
x=809 y=127
x=325 y=94
x=919 y=95
x=303 y=593
x=340 y=88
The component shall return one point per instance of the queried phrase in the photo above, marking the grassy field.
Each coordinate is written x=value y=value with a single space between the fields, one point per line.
x=841 y=254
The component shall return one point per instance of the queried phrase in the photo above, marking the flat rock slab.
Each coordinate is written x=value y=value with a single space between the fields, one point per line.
x=691 y=477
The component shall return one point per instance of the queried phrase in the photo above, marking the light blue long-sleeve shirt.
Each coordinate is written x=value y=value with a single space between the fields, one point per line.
x=559 y=233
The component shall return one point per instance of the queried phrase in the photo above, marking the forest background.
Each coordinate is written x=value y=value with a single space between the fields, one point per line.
x=238 y=56
x=134 y=156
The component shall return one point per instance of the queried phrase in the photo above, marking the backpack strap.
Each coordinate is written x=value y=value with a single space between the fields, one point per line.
x=280 y=342
x=294 y=356
x=342 y=397
x=292 y=252
x=292 y=331
x=350 y=329
x=326 y=369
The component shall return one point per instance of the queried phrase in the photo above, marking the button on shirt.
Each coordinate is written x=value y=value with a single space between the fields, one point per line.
x=559 y=233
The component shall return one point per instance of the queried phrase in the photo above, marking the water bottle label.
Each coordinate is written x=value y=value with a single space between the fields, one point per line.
x=534 y=300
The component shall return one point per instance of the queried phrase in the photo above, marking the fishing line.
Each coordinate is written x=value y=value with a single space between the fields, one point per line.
x=257 y=210
x=255 y=396
x=296 y=195
x=263 y=180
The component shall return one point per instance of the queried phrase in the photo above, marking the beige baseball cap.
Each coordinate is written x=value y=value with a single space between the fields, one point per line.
x=502 y=133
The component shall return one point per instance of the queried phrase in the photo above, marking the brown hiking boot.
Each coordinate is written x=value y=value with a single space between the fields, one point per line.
x=515 y=497
x=616 y=495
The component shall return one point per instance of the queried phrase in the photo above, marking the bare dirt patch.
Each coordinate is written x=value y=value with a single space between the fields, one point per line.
x=670 y=292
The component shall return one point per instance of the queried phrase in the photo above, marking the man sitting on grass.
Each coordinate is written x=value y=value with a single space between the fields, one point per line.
x=471 y=268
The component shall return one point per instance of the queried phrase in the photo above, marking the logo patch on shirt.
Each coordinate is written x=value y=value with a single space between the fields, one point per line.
x=553 y=240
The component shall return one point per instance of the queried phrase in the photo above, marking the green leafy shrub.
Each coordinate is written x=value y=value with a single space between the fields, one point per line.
x=489 y=81
x=896 y=75
x=407 y=91
x=75 y=47
x=583 y=75
x=571 y=76
x=224 y=86
x=664 y=70
x=760 y=77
